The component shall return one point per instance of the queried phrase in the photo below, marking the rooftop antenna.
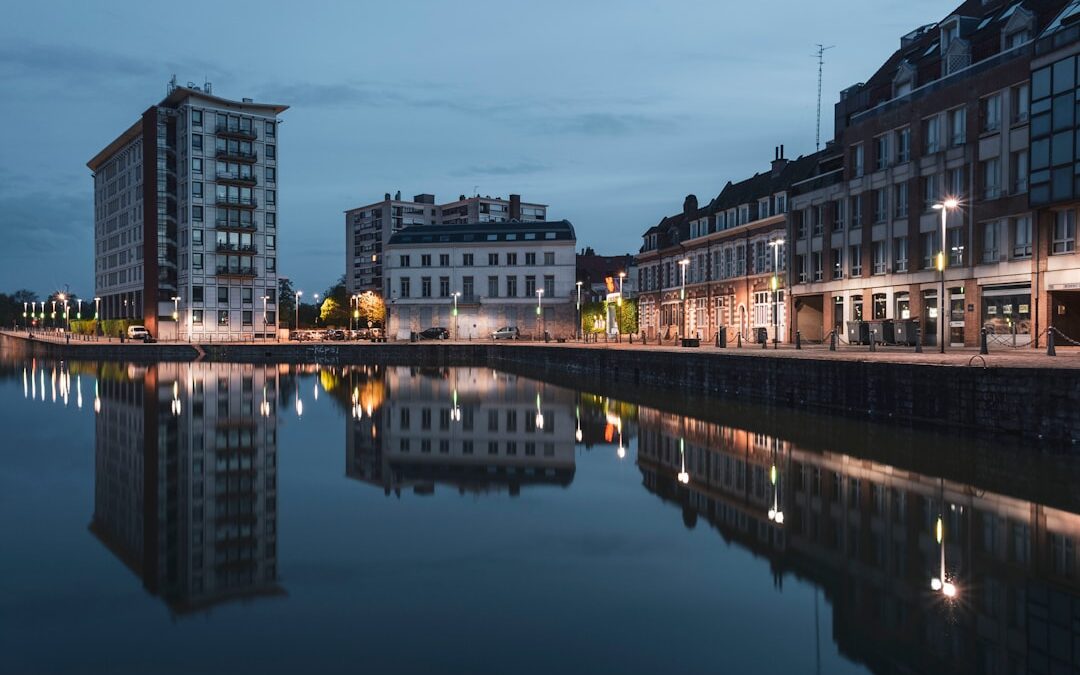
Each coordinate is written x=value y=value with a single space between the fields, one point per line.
x=821 y=49
x=476 y=190
x=172 y=84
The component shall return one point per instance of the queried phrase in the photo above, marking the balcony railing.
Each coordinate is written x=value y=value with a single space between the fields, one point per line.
x=235 y=132
x=226 y=225
x=236 y=271
x=237 y=155
x=225 y=177
x=225 y=247
x=248 y=203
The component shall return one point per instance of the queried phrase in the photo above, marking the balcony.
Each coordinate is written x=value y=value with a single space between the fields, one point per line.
x=236 y=271
x=235 y=132
x=239 y=202
x=224 y=177
x=236 y=155
x=222 y=224
x=225 y=247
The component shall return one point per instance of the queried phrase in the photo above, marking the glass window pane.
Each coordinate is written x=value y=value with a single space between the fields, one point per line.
x=1063 y=112
x=1040 y=84
x=1040 y=154
x=1040 y=125
x=1064 y=74
x=1061 y=151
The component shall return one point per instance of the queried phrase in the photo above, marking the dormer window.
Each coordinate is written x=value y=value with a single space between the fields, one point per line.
x=1017 y=30
x=949 y=32
x=763 y=208
x=904 y=80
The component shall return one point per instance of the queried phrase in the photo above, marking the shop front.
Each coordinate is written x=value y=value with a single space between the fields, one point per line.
x=1006 y=313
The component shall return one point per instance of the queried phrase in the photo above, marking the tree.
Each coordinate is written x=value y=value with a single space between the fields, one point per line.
x=371 y=309
x=286 y=301
x=23 y=295
x=333 y=313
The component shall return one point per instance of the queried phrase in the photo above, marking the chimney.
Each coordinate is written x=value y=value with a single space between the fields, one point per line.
x=778 y=162
x=689 y=205
x=515 y=207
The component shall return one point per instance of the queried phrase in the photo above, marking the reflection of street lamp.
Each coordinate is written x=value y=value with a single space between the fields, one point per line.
x=621 y=452
x=683 y=264
x=539 y=414
x=684 y=477
x=776 y=244
x=577 y=416
x=945 y=206
x=455 y=412
x=941 y=583
x=775 y=513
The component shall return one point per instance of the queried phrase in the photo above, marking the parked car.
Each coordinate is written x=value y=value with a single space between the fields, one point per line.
x=506 y=333
x=335 y=334
x=140 y=333
x=435 y=333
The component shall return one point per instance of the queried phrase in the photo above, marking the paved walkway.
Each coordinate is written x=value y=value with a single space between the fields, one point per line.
x=999 y=356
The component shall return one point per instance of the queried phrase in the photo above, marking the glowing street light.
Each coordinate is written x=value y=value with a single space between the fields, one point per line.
x=945 y=206
x=316 y=296
x=776 y=244
x=539 y=310
x=97 y=306
x=296 y=325
x=579 y=313
x=683 y=264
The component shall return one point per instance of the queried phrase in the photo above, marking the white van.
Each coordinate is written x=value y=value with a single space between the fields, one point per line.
x=139 y=333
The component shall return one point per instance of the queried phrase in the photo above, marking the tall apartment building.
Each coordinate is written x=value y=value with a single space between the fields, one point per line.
x=713 y=266
x=948 y=116
x=185 y=218
x=368 y=228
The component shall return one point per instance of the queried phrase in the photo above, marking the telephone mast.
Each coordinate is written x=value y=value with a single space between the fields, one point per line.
x=821 y=49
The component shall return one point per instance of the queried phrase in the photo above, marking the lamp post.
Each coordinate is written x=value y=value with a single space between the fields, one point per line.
x=776 y=244
x=24 y=311
x=54 y=313
x=79 y=315
x=945 y=206
x=97 y=307
x=683 y=264
x=455 y=295
x=316 y=296
x=539 y=311
x=579 y=310
x=296 y=320
x=265 y=299
x=176 y=315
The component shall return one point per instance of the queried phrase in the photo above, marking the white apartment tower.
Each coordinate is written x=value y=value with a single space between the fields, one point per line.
x=185 y=218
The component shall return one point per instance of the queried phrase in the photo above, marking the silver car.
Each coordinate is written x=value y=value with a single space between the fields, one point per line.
x=506 y=333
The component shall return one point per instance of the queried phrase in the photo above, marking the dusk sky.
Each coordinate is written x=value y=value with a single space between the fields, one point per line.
x=609 y=112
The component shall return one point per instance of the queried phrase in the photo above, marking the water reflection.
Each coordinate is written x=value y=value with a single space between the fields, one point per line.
x=923 y=570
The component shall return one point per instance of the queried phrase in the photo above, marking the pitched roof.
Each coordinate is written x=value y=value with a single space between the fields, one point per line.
x=480 y=233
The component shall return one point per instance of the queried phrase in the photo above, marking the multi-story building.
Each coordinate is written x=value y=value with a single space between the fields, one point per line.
x=947 y=116
x=469 y=428
x=185 y=490
x=475 y=278
x=713 y=266
x=185 y=218
x=368 y=228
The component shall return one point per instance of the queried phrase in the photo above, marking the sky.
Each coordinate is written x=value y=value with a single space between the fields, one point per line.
x=610 y=112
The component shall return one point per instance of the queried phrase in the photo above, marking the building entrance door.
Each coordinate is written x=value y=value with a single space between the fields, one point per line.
x=930 y=318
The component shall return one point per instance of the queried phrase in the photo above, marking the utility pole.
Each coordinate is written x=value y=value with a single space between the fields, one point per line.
x=821 y=49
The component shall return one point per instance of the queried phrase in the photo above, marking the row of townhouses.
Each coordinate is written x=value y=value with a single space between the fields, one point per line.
x=947 y=198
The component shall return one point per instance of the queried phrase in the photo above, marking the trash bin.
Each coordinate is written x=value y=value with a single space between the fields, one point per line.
x=721 y=337
x=858 y=333
x=882 y=332
x=904 y=332
x=762 y=336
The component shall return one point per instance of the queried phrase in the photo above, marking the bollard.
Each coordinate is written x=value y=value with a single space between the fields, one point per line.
x=1050 y=350
x=918 y=340
x=832 y=341
x=765 y=343
x=798 y=340
x=631 y=338
x=983 y=347
x=739 y=345
x=873 y=344
x=644 y=339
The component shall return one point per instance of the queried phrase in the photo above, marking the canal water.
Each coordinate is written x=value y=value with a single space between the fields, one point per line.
x=204 y=518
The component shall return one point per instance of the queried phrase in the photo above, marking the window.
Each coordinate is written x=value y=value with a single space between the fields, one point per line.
x=1064 y=231
x=857 y=159
x=223 y=295
x=903 y=145
x=856 y=212
x=991 y=249
x=930 y=191
x=271 y=129
x=956 y=245
x=900 y=198
x=405 y=287
x=271 y=174
x=196 y=237
x=271 y=241
x=271 y=264
x=197 y=261
x=196 y=142
x=990 y=113
x=1022 y=237
x=444 y=260
x=881 y=152
x=196 y=214
x=856 y=260
x=493 y=259
x=931 y=135
x=511 y=287
x=197 y=294
x=881 y=206
x=838 y=215
x=549 y=285
x=1019 y=171
x=838 y=263
x=196 y=118
x=493 y=287
x=511 y=259
x=467 y=289
x=900 y=245
x=196 y=165
x=245 y=317
x=404 y=261
x=247 y=295
x=815 y=260
x=223 y=317
x=930 y=249
x=197 y=316
x=549 y=258
x=271 y=219
x=530 y=258
x=271 y=152
x=880 y=257
x=991 y=172
x=1020 y=103
x=444 y=287
x=530 y=285
x=800 y=266
x=466 y=259
x=957 y=127
x=425 y=287
x=781 y=203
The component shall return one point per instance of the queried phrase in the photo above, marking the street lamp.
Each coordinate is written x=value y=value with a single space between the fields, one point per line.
x=97 y=306
x=776 y=244
x=79 y=315
x=454 y=313
x=316 y=296
x=683 y=264
x=579 y=310
x=945 y=206
x=296 y=320
x=265 y=299
x=539 y=310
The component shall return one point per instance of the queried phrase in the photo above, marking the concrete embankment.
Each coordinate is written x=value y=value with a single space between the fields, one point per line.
x=1032 y=400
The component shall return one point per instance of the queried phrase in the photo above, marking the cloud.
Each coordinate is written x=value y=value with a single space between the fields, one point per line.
x=518 y=168
x=604 y=124
x=48 y=240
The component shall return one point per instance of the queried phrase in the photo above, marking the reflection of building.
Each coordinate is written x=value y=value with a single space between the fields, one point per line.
x=473 y=279
x=185 y=487
x=865 y=532
x=471 y=428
